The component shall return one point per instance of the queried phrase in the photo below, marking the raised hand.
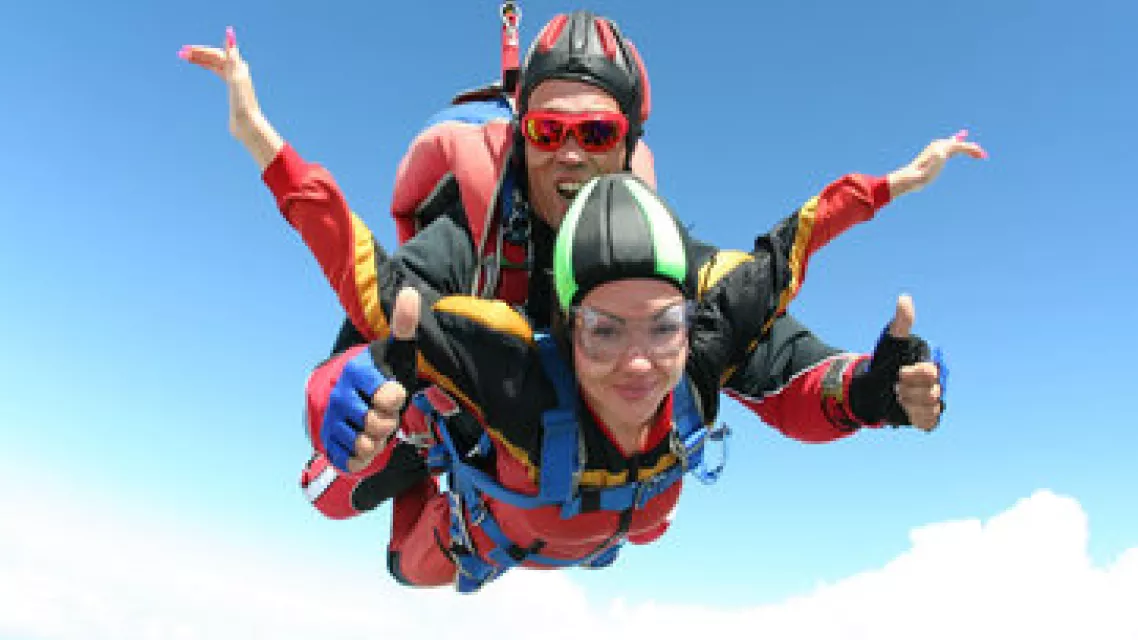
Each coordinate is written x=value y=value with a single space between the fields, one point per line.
x=902 y=385
x=247 y=122
x=928 y=164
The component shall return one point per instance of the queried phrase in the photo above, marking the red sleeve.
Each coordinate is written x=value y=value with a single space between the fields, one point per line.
x=326 y=487
x=329 y=490
x=842 y=204
x=802 y=410
x=313 y=204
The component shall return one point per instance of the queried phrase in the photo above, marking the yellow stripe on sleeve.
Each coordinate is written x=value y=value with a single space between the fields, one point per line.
x=715 y=269
x=806 y=216
x=367 y=289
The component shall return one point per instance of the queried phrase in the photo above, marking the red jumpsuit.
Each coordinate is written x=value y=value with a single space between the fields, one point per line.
x=441 y=258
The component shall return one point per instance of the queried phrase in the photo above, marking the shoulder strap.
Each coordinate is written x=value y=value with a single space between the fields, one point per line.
x=686 y=411
x=560 y=444
x=477 y=106
x=692 y=434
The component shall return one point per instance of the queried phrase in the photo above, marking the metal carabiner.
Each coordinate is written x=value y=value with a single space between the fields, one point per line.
x=511 y=18
x=511 y=14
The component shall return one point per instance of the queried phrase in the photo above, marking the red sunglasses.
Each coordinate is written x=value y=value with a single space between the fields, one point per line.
x=595 y=131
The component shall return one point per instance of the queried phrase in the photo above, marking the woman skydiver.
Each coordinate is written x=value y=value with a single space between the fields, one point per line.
x=587 y=431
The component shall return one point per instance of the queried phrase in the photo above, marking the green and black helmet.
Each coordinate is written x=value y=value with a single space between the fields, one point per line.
x=618 y=228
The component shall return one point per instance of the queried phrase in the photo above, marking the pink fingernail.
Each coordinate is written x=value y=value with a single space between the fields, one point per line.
x=184 y=52
x=230 y=37
x=961 y=135
x=983 y=154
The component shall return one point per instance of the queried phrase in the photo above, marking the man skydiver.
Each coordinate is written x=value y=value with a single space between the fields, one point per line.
x=579 y=64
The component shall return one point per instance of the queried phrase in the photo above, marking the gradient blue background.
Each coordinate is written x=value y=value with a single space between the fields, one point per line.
x=159 y=317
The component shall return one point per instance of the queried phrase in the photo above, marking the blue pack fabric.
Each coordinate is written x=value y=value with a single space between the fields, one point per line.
x=479 y=112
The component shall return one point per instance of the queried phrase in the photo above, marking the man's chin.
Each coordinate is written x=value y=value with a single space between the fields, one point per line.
x=554 y=212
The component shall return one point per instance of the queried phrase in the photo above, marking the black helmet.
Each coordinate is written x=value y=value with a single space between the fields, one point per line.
x=587 y=48
x=618 y=228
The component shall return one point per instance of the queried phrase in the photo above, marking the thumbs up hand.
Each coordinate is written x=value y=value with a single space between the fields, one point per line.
x=366 y=401
x=902 y=385
x=402 y=351
x=400 y=354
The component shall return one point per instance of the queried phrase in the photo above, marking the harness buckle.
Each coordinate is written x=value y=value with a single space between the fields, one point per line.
x=707 y=475
x=511 y=14
x=458 y=522
x=478 y=513
x=678 y=449
x=604 y=556
x=438 y=459
x=645 y=491
x=575 y=484
x=516 y=227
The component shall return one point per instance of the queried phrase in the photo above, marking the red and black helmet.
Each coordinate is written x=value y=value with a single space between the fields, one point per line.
x=587 y=48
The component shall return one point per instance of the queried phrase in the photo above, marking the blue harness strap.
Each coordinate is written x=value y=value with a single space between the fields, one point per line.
x=561 y=465
x=695 y=436
x=560 y=441
x=689 y=444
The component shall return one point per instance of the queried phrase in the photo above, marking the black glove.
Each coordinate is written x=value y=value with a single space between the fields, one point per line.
x=873 y=397
x=401 y=358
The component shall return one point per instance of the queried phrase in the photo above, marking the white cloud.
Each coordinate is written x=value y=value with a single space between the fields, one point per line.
x=91 y=572
x=1023 y=574
x=84 y=567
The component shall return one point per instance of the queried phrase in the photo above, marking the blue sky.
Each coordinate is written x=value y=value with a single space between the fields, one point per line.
x=161 y=317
